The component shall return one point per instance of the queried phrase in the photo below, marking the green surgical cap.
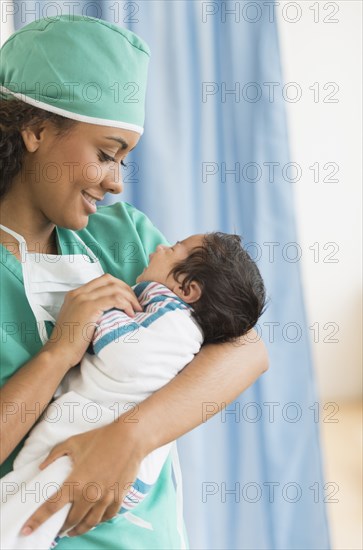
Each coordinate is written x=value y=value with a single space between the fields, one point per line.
x=79 y=67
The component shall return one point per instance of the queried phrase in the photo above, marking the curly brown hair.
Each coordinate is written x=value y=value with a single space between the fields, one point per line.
x=233 y=292
x=15 y=115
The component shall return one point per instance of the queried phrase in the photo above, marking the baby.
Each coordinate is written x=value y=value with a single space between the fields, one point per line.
x=203 y=289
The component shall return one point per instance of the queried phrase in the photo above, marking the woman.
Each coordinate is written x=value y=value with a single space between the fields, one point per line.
x=73 y=106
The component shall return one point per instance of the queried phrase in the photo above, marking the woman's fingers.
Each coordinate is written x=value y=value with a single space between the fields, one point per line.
x=77 y=517
x=89 y=521
x=101 y=503
x=105 y=280
x=94 y=307
x=116 y=295
x=81 y=311
x=50 y=507
x=55 y=453
x=103 y=466
x=111 y=511
x=105 y=294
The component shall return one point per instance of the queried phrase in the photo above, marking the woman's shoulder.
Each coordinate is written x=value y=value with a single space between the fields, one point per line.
x=122 y=220
x=115 y=214
x=122 y=237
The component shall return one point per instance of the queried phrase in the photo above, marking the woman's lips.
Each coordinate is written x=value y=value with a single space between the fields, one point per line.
x=90 y=206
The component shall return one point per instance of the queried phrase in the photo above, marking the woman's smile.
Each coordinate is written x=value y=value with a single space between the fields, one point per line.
x=90 y=202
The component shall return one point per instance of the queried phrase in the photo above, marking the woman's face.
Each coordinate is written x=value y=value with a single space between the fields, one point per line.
x=63 y=176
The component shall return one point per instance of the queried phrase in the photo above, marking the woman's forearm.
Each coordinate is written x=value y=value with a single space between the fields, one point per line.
x=215 y=377
x=111 y=455
x=24 y=397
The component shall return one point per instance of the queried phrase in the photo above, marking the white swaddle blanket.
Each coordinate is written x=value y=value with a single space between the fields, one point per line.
x=129 y=359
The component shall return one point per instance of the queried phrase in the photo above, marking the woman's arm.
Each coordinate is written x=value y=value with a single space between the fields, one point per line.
x=215 y=377
x=26 y=394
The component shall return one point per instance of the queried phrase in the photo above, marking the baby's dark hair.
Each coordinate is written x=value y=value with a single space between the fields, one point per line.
x=233 y=293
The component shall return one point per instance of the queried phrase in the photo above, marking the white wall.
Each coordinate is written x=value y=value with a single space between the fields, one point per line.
x=322 y=132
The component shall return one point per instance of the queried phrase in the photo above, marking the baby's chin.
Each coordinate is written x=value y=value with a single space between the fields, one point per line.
x=143 y=276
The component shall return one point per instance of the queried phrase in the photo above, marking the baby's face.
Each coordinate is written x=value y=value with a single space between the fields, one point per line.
x=164 y=259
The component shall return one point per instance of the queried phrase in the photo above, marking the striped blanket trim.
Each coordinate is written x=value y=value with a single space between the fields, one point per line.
x=156 y=299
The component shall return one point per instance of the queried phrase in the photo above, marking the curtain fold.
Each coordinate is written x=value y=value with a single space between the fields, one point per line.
x=253 y=475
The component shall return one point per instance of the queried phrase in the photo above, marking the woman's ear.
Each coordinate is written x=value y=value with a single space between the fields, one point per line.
x=32 y=136
x=192 y=292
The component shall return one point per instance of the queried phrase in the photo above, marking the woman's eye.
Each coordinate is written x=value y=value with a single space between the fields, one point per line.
x=106 y=158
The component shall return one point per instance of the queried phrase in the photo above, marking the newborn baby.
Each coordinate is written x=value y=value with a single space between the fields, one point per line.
x=203 y=289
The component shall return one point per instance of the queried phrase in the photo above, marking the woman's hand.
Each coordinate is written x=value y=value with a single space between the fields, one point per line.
x=81 y=310
x=105 y=465
x=69 y=340
x=109 y=457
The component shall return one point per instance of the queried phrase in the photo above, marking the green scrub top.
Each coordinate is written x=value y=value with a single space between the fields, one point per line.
x=122 y=238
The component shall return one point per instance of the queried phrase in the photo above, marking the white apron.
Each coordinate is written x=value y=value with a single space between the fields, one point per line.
x=48 y=277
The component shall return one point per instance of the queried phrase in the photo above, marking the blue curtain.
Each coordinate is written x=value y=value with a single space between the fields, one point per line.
x=215 y=156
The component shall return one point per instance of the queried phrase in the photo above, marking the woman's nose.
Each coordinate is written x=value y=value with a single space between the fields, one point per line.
x=112 y=182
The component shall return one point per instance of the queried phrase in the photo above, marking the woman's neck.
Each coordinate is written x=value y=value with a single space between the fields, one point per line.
x=38 y=232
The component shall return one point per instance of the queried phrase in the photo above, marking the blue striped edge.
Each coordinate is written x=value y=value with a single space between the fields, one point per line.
x=121 y=331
